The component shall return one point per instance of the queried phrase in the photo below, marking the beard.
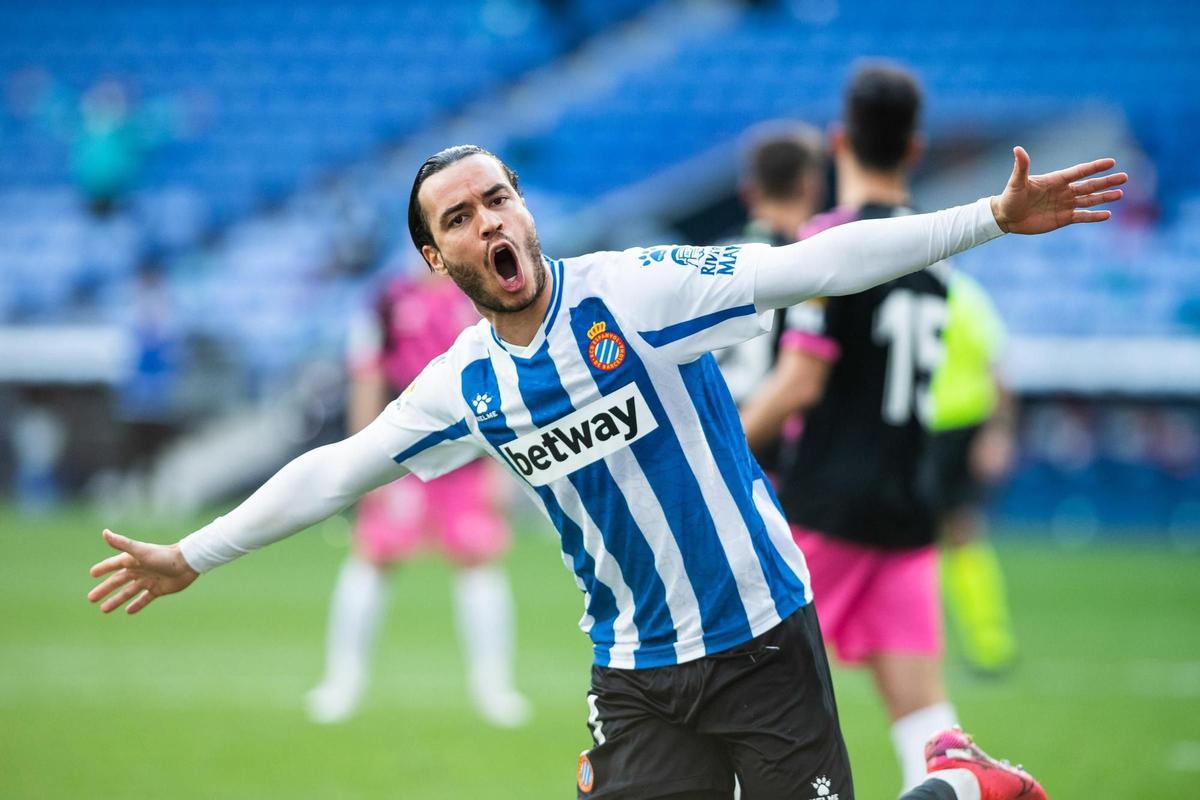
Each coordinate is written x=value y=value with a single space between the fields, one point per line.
x=474 y=282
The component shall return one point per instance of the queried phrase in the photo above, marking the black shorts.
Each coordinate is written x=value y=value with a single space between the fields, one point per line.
x=949 y=482
x=763 y=711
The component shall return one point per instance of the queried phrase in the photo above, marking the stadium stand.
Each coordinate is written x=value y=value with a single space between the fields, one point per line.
x=230 y=107
x=283 y=94
x=273 y=143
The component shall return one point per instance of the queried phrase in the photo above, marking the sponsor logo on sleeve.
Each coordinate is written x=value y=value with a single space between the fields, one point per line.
x=719 y=260
x=582 y=437
x=653 y=255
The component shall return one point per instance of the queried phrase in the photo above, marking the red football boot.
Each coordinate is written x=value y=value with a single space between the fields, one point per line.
x=998 y=780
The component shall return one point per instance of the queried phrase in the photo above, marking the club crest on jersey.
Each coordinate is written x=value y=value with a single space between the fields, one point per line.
x=585 y=775
x=606 y=350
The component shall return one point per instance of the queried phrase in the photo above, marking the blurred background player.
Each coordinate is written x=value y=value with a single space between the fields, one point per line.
x=860 y=367
x=781 y=185
x=782 y=180
x=972 y=448
x=416 y=318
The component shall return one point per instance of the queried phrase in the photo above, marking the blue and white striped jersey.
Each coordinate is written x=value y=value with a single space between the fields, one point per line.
x=616 y=420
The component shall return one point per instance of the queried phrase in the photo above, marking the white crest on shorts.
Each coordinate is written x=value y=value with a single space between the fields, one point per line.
x=822 y=785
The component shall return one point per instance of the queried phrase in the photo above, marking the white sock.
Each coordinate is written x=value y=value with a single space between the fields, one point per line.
x=909 y=734
x=484 y=608
x=353 y=622
x=962 y=781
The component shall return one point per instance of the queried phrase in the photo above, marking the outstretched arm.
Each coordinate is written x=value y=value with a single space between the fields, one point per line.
x=852 y=258
x=312 y=487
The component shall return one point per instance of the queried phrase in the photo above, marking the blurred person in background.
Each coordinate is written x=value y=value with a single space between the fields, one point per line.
x=148 y=399
x=782 y=183
x=782 y=187
x=38 y=437
x=415 y=318
x=111 y=134
x=859 y=368
x=974 y=421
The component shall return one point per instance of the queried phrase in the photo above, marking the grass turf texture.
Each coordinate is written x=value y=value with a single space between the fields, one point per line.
x=199 y=696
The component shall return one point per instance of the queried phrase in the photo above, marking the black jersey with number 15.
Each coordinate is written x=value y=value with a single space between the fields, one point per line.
x=852 y=473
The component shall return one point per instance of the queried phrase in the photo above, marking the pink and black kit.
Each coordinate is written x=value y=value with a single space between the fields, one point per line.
x=412 y=322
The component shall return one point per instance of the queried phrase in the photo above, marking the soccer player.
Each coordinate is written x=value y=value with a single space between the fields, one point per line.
x=859 y=367
x=411 y=321
x=972 y=448
x=591 y=381
x=783 y=182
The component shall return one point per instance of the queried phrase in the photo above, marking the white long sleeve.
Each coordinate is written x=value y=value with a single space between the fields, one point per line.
x=310 y=488
x=844 y=260
x=854 y=257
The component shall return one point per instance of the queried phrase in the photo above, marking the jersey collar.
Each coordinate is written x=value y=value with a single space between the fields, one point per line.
x=556 y=292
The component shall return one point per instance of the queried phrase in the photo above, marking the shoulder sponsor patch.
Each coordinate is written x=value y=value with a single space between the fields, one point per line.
x=582 y=437
x=714 y=260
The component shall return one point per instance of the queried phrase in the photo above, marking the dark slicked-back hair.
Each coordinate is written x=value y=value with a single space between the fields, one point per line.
x=883 y=109
x=778 y=156
x=418 y=225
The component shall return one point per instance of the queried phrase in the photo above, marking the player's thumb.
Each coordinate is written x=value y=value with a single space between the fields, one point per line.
x=123 y=543
x=1020 y=173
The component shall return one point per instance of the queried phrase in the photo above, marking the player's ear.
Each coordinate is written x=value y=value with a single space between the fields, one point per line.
x=915 y=151
x=433 y=257
x=837 y=138
x=749 y=195
x=814 y=190
x=839 y=143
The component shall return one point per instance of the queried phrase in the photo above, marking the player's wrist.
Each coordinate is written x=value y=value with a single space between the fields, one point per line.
x=206 y=549
x=998 y=213
x=180 y=562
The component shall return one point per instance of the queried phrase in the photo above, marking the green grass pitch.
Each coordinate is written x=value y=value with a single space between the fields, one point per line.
x=199 y=697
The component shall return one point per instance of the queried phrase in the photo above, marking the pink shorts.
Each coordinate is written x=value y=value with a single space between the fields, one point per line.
x=871 y=600
x=457 y=512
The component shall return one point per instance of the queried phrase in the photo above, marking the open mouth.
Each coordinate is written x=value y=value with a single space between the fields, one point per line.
x=504 y=261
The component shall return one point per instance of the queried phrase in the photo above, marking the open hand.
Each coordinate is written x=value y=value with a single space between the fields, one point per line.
x=1042 y=203
x=140 y=570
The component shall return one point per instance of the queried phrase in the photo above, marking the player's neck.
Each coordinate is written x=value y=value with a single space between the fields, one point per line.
x=783 y=219
x=859 y=186
x=519 y=327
